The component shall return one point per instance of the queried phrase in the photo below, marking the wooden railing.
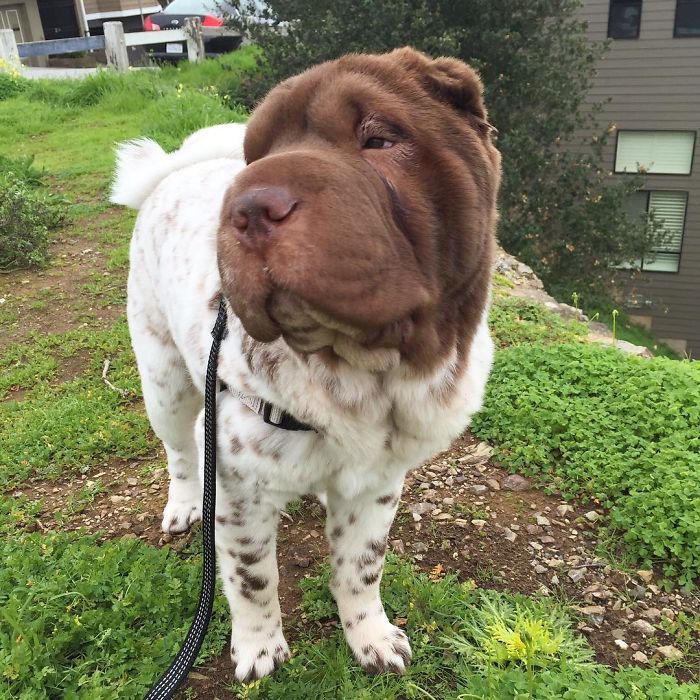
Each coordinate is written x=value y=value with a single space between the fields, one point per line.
x=114 y=43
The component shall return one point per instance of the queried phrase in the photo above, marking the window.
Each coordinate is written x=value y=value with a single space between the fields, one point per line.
x=624 y=19
x=687 y=18
x=668 y=210
x=655 y=152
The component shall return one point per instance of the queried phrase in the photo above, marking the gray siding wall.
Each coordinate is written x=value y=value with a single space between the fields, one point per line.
x=653 y=82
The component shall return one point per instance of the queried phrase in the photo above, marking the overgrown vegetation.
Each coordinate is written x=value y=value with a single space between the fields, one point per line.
x=559 y=213
x=621 y=430
x=27 y=214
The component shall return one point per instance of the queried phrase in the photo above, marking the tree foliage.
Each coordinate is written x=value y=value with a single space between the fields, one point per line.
x=559 y=212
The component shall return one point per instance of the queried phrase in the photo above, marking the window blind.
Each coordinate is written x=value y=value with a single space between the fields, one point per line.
x=660 y=152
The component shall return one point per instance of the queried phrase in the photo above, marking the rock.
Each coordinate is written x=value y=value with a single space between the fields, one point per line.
x=509 y=534
x=478 y=489
x=420 y=547
x=592 y=516
x=668 y=613
x=536 y=546
x=554 y=563
x=670 y=652
x=644 y=627
x=493 y=484
x=420 y=508
x=541 y=569
x=302 y=562
x=541 y=520
x=478 y=523
x=398 y=546
x=116 y=500
x=533 y=529
x=622 y=644
x=416 y=518
x=640 y=657
x=592 y=610
x=444 y=516
x=515 y=482
x=645 y=574
x=547 y=539
x=132 y=481
x=554 y=580
x=563 y=510
x=618 y=633
x=652 y=614
x=448 y=501
x=577 y=574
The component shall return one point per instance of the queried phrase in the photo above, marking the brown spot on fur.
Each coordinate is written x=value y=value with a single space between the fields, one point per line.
x=385 y=500
x=255 y=583
x=369 y=579
x=336 y=532
x=249 y=558
x=351 y=519
x=236 y=446
x=377 y=546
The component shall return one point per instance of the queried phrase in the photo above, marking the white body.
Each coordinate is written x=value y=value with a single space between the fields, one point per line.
x=372 y=427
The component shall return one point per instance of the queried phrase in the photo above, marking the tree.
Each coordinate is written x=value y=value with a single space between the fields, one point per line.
x=559 y=213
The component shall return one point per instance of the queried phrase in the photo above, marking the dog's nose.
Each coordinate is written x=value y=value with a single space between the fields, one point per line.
x=259 y=212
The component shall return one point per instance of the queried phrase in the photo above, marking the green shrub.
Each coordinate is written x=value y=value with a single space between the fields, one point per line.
x=26 y=217
x=82 y=620
x=622 y=430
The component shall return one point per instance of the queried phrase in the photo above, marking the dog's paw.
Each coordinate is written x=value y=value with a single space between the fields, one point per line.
x=179 y=515
x=253 y=660
x=379 y=647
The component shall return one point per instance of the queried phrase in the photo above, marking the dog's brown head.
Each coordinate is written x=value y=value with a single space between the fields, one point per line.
x=365 y=217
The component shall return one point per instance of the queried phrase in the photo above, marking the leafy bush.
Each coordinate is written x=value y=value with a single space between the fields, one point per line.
x=514 y=321
x=82 y=620
x=11 y=82
x=623 y=430
x=560 y=213
x=26 y=216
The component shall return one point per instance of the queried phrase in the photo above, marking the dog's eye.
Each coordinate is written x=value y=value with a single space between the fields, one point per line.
x=377 y=142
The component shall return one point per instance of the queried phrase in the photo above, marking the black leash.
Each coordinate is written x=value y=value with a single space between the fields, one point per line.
x=170 y=681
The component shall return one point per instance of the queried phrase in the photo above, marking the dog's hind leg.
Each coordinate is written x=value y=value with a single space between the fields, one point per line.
x=172 y=404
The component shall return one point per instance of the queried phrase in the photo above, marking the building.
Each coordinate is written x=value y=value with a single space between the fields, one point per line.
x=35 y=20
x=649 y=82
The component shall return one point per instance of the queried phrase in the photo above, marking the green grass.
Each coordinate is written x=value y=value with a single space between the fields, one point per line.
x=591 y=422
x=71 y=425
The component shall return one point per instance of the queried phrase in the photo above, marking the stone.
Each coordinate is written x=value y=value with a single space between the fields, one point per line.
x=618 y=633
x=478 y=489
x=554 y=580
x=515 y=482
x=478 y=523
x=540 y=569
x=563 y=510
x=592 y=610
x=509 y=534
x=132 y=481
x=302 y=562
x=116 y=500
x=670 y=652
x=547 y=539
x=541 y=520
x=652 y=614
x=493 y=484
x=644 y=627
x=577 y=574
x=645 y=574
x=536 y=546
x=640 y=657
x=398 y=546
x=592 y=516
x=668 y=613
x=622 y=644
x=533 y=529
x=420 y=508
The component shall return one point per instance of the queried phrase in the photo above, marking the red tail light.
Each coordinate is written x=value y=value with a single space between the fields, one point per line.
x=211 y=21
x=149 y=26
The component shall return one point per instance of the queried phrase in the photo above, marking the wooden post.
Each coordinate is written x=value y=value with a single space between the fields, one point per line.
x=8 y=48
x=195 y=40
x=115 y=46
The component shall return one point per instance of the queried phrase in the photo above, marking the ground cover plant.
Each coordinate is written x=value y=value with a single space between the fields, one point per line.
x=89 y=613
x=622 y=430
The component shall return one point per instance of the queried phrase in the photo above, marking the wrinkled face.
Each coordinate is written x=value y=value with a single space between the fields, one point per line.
x=365 y=217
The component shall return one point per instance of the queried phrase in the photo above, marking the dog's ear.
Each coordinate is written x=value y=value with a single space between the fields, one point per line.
x=449 y=80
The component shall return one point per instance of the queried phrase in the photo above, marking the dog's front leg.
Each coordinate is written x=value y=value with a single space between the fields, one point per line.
x=246 y=529
x=357 y=530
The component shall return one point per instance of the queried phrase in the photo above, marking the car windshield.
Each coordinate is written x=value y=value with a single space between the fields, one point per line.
x=198 y=7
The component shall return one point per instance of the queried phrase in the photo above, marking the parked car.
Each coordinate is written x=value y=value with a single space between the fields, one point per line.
x=211 y=12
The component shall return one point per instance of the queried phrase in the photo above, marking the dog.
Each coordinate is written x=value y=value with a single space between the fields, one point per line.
x=349 y=226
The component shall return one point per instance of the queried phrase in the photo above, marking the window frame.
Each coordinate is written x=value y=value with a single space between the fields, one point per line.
x=653 y=131
x=639 y=24
x=676 y=35
x=682 y=237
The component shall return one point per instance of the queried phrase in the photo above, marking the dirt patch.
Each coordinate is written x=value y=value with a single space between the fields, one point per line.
x=54 y=300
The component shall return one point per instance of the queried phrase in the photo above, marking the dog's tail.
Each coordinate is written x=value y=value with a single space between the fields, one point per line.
x=142 y=164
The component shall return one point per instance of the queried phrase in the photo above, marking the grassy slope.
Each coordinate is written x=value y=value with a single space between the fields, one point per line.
x=71 y=628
